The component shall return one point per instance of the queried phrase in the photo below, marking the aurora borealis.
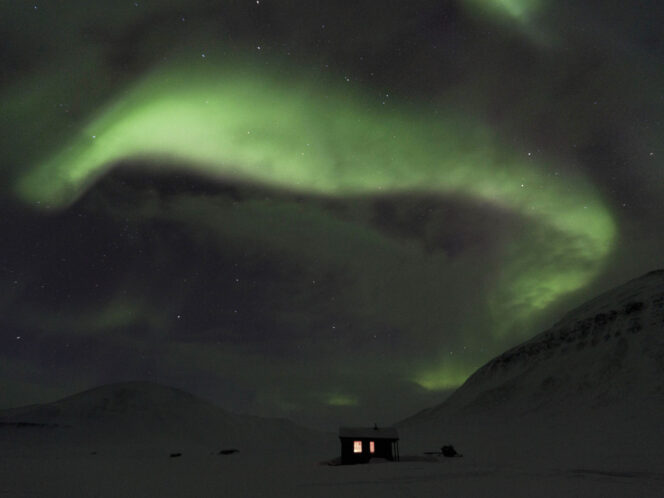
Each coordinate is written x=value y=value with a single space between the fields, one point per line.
x=326 y=145
x=317 y=218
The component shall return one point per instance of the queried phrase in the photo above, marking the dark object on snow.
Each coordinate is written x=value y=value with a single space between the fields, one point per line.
x=175 y=455
x=32 y=425
x=449 y=451
x=229 y=451
x=360 y=444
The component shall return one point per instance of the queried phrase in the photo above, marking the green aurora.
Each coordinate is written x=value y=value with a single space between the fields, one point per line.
x=518 y=10
x=232 y=121
x=520 y=15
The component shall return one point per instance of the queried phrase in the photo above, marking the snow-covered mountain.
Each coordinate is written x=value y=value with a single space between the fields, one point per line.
x=595 y=378
x=151 y=415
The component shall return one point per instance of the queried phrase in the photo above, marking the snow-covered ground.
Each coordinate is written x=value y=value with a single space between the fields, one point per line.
x=242 y=476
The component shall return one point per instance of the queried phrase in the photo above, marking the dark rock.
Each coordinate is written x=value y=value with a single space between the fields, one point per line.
x=633 y=307
x=449 y=451
x=229 y=451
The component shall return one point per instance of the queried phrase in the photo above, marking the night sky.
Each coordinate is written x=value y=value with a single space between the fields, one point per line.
x=328 y=211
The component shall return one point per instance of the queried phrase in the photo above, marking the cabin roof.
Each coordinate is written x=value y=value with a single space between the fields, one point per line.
x=369 y=432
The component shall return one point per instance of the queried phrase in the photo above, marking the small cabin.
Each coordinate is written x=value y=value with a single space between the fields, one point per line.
x=361 y=444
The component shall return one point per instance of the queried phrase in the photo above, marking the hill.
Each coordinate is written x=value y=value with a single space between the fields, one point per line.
x=590 y=388
x=148 y=416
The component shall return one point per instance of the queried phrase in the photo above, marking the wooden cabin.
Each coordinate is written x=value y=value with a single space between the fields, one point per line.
x=361 y=444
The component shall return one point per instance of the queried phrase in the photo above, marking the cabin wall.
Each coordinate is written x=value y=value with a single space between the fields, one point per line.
x=383 y=449
x=348 y=456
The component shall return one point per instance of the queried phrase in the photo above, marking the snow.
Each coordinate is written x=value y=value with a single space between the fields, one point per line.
x=575 y=411
x=143 y=415
x=239 y=476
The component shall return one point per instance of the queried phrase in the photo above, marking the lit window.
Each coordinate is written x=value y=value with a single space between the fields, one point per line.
x=357 y=446
x=372 y=447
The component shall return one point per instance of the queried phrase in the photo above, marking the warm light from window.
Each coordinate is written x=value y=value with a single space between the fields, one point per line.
x=372 y=447
x=357 y=446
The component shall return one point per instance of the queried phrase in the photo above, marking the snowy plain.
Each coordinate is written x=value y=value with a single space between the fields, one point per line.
x=241 y=476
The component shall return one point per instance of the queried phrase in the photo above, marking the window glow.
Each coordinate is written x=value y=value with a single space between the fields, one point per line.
x=357 y=446
x=372 y=447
